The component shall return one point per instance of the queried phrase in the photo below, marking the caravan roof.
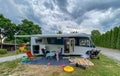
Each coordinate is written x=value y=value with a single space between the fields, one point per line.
x=56 y=35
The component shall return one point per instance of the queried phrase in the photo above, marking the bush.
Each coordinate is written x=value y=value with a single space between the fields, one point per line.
x=3 y=51
x=19 y=51
x=28 y=48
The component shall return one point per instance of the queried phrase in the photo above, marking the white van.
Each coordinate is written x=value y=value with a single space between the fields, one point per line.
x=70 y=44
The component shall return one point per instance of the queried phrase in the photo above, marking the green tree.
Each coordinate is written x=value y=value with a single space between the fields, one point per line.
x=107 y=39
x=118 y=40
x=59 y=32
x=95 y=35
x=75 y=32
x=28 y=28
x=111 y=40
x=114 y=37
x=7 y=28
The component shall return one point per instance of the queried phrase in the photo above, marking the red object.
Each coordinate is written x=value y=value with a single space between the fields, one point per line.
x=28 y=53
x=48 y=63
x=63 y=65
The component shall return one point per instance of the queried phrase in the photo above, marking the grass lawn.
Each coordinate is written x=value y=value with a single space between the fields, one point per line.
x=9 y=53
x=102 y=67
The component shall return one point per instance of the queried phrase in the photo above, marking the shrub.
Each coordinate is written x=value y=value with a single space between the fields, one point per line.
x=19 y=51
x=28 y=48
x=3 y=51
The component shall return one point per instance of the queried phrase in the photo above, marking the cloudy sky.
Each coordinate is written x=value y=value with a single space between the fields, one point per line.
x=65 y=15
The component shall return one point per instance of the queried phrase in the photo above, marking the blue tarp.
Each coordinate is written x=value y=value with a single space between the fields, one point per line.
x=45 y=61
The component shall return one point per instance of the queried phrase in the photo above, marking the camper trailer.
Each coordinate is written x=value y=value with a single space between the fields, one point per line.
x=70 y=44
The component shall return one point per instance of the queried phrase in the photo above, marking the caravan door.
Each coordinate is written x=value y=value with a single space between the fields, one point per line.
x=72 y=44
x=69 y=45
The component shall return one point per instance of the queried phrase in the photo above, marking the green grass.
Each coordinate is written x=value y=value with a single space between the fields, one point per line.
x=8 y=54
x=102 y=67
x=7 y=68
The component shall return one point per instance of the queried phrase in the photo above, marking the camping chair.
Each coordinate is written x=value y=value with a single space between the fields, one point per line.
x=29 y=55
x=48 y=54
x=60 y=54
x=44 y=53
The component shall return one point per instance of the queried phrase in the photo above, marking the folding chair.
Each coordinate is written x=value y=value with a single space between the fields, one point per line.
x=29 y=55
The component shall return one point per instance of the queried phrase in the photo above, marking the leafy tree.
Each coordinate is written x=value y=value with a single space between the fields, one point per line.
x=7 y=28
x=75 y=32
x=59 y=32
x=28 y=28
x=95 y=35
x=110 y=39
x=114 y=37
x=118 y=40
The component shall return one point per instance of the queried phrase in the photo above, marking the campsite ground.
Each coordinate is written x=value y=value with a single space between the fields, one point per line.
x=102 y=67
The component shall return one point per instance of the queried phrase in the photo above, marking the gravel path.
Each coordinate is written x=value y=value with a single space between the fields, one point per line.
x=111 y=53
x=10 y=58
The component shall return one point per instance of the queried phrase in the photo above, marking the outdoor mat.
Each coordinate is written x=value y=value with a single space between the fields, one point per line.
x=45 y=61
x=81 y=61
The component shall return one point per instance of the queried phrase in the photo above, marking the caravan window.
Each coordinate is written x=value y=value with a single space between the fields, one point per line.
x=58 y=41
x=38 y=40
x=84 y=42
x=36 y=49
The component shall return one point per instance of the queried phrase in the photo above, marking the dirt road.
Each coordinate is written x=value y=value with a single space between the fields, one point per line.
x=111 y=53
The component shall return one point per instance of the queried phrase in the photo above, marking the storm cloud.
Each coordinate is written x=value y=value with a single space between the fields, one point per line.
x=65 y=15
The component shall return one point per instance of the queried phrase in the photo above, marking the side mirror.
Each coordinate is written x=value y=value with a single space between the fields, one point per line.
x=93 y=46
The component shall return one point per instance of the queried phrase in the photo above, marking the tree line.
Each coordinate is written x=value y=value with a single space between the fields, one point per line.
x=110 y=39
x=9 y=29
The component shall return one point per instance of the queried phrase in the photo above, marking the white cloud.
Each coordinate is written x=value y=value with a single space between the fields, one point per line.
x=95 y=18
x=74 y=15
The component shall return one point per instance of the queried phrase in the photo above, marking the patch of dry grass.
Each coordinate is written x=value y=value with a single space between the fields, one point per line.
x=39 y=70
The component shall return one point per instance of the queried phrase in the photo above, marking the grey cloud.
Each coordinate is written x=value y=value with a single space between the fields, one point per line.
x=21 y=2
x=9 y=10
x=88 y=5
x=98 y=4
x=110 y=22
x=20 y=9
x=62 y=4
x=55 y=27
x=48 y=5
x=33 y=18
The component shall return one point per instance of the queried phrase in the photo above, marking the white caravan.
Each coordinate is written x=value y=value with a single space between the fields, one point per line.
x=70 y=44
